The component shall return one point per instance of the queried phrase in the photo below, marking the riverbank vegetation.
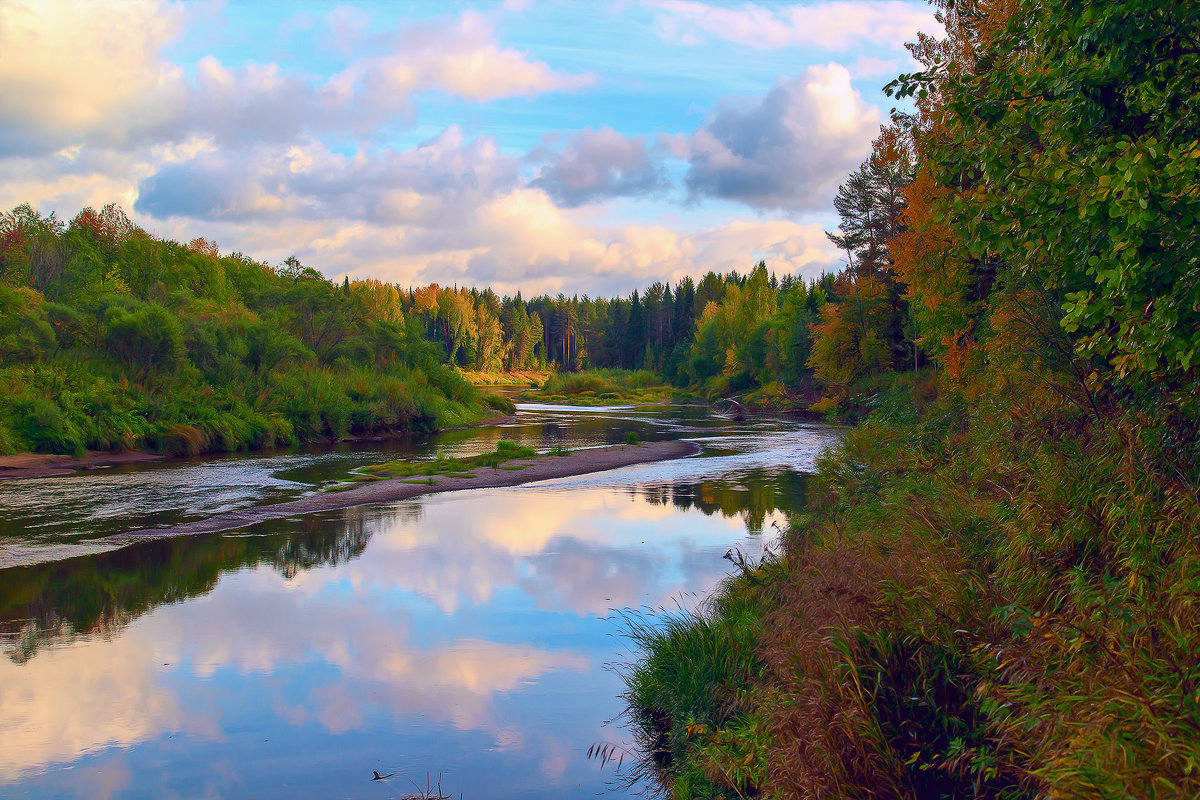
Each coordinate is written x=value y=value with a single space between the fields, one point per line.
x=604 y=387
x=995 y=588
x=112 y=339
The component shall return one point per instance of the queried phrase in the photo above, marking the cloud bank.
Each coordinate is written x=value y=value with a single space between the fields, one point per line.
x=272 y=160
x=788 y=150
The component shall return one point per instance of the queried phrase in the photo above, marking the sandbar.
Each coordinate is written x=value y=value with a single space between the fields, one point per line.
x=544 y=467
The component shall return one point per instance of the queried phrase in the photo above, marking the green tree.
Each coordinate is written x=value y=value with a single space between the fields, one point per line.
x=1071 y=139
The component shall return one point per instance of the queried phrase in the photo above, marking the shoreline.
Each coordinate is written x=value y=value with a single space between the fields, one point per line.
x=544 y=467
x=22 y=466
x=46 y=465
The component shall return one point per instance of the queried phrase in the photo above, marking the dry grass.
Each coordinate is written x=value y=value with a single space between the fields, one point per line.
x=989 y=599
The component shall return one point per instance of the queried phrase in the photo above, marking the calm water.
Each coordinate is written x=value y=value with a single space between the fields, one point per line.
x=468 y=636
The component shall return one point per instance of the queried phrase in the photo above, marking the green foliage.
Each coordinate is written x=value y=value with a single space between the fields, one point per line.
x=1072 y=142
x=150 y=343
x=499 y=402
x=602 y=387
x=145 y=335
x=685 y=691
x=25 y=328
x=995 y=589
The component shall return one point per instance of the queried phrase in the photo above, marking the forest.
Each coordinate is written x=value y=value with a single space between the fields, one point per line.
x=114 y=339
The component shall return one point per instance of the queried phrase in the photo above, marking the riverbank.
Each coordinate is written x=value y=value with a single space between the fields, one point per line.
x=48 y=465
x=513 y=473
x=980 y=598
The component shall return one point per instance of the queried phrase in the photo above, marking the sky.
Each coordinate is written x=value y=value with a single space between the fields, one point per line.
x=545 y=146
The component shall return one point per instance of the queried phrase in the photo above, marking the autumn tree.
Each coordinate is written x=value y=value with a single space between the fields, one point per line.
x=1070 y=141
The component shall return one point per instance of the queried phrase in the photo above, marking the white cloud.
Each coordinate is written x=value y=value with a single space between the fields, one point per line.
x=828 y=26
x=94 y=74
x=598 y=164
x=790 y=149
x=461 y=59
x=433 y=184
x=68 y=69
x=871 y=67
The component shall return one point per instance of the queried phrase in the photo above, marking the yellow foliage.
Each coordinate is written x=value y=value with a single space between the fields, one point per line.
x=381 y=300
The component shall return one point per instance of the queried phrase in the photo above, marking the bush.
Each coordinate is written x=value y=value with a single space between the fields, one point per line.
x=499 y=402
x=685 y=693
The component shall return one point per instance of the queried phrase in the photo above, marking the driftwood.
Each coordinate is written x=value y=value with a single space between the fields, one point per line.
x=729 y=407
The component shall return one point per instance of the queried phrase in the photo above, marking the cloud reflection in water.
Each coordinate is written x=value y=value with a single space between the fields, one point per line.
x=467 y=615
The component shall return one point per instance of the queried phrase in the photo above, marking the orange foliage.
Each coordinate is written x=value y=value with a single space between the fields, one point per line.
x=958 y=355
x=846 y=342
x=928 y=262
x=204 y=246
x=110 y=226
x=425 y=300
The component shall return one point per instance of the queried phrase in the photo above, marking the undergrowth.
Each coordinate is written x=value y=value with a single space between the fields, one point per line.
x=603 y=386
x=989 y=596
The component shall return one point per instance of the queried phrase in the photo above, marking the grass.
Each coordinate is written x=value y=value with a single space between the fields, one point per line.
x=994 y=596
x=441 y=465
x=520 y=377
x=598 y=387
x=687 y=691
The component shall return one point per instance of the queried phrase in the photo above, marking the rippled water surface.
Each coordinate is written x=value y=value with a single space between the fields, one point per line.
x=466 y=636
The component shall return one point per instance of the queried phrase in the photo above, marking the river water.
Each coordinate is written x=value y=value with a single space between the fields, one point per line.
x=471 y=638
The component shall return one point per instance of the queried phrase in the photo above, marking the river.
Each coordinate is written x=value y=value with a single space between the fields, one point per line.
x=471 y=638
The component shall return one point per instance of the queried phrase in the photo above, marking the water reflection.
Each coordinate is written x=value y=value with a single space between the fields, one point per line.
x=752 y=496
x=464 y=635
x=103 y=593
x=93 y=504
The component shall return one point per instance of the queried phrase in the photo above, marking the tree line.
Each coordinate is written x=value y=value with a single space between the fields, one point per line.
x=111 y=339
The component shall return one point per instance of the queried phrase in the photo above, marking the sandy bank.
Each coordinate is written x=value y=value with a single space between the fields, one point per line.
x=542 y=468
x=42 y=465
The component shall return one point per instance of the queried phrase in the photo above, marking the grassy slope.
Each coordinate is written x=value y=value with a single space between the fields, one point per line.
x=597 y=387
x=995 y=597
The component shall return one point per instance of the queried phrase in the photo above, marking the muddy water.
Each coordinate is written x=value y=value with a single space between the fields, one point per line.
x=467 y=637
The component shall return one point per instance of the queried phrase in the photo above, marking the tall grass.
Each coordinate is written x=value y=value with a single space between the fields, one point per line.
x=686 y=691
x=993 y=596
x=600 y=381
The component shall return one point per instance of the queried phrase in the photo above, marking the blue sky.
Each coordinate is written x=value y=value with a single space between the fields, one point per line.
x=540 y=145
